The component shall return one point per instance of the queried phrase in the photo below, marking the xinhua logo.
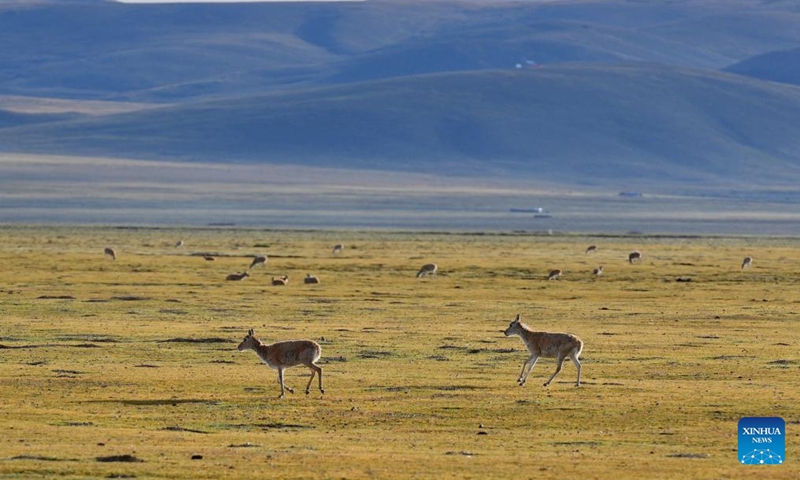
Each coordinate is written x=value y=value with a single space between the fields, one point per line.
x=762 y=441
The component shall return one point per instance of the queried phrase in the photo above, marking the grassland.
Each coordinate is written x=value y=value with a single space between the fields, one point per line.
x=138 y=357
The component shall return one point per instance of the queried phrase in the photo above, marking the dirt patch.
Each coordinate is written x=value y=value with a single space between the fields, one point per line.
x=42 y=458
x=177 y=428
x=197 y=340
x=120 y=458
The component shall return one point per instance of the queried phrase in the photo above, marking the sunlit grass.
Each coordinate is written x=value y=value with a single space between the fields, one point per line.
x=138 y=357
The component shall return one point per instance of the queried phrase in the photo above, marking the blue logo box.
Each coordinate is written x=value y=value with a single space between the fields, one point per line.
x=762 y=441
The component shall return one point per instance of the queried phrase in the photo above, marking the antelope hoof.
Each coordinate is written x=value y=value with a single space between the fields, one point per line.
x=323 y=391
x=307 y=391
x=291 y=390
x=546 y=384
x=281 y=396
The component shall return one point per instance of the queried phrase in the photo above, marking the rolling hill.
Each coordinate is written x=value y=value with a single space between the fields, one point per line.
x=780 y=66
x=623 y=92
x=102 y=50
x=587 y=124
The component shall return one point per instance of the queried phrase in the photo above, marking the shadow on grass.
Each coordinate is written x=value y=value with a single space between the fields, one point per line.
x=157 y=401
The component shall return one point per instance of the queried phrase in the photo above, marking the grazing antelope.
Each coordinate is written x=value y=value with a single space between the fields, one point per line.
x=337 y=249
x=284 y=280
x=554 y=274
x=179 y=244
x=747 y=262
x=311 y=279
x=634 y=255
x=237 y=276
x=427 y=269
x=282 y=355
x=259 y=260
x=110 y=252
x=598 y=271
x=547 y=345
x=591 y=248
x=208 y=258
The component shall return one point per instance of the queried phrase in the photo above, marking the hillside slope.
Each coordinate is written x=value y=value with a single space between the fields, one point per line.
x=90 y=49
x=780 y=66
x=595 y=125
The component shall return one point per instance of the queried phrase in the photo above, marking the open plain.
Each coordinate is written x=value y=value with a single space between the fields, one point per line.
x=129 y=368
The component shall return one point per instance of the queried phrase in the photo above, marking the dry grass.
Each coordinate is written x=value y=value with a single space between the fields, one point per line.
x=138 y=357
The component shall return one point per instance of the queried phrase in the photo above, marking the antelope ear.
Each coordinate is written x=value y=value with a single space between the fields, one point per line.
x=251 y=332
x=519 y=317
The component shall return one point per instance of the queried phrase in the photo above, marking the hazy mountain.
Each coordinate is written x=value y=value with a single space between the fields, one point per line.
x=105 y=50
x=594 y=92
x=589 y=124
x=781 y=66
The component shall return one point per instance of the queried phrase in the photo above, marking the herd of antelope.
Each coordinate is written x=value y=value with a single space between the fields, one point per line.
x=282 y=355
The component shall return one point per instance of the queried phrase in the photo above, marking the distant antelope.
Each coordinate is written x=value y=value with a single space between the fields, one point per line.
x=284 y=280
x=548 y=345
x=208 y=258
x=259 y=260
x=282 y=355
x=311 y=279
x=634 y=255
x=554 y=274
x=337 y=249
x=598 y=271
x=591 y=248
x=427 y=269
x=747 y=262
x=110 y=252
x=237 y=276
x=179 y=244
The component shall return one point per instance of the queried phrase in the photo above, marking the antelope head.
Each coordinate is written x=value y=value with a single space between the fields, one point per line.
x=514 y=327
x=249 y=342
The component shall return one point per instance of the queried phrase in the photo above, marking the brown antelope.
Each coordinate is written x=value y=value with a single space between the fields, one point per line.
x=110 y=252
x=284 y=280
x=427 y=269
x=310 y=279
x=179 y=244
x=547 y=345
x=259 y=260
x=282 y=355
x=634 y=255
x=591 y=248
x=747 y=262
x=337 y=249
x=554 y=274
x=598 y=271
x=237 y=276
x=208 y=258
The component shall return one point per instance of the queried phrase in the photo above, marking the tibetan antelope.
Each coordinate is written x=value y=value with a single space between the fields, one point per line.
x=259 y=260
x=284 y=280
x=208 y=258
x=634 y=255
x=282 y=355
x=747 y=262
x=337 y=249
x=311 y=279
x=237 y=276
x=554 y=274
x=547 y=345
x=591 y=248
x=598 y=271
x=179 y=244
x=427 y=269
x=110 y=253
